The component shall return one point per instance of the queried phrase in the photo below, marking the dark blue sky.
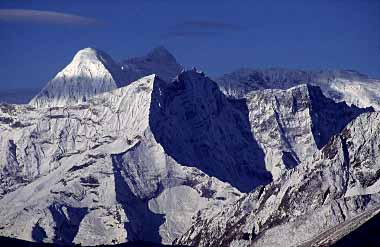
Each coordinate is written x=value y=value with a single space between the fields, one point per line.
x=216 y=36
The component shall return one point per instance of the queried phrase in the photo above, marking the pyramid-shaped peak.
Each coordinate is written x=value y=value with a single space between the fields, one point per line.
x=91 y=72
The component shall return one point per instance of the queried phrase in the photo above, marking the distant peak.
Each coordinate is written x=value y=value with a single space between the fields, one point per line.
x=160 y=51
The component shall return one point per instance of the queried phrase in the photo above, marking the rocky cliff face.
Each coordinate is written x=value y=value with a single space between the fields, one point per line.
x=340 y=85
x=198 y=126
x=324 y=198
x=291 y=125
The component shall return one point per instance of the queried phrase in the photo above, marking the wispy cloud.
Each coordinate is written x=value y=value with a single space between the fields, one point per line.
x=196 y=28
x=45 y=17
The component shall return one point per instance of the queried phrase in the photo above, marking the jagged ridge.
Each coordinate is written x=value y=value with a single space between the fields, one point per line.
x=340 y=85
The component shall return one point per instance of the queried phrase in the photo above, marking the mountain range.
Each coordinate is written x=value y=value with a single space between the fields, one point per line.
x=113 y=152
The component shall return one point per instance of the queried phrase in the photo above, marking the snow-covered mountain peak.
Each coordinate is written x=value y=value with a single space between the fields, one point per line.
x=90 y=72
x=88 y=57
x=92 y=55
